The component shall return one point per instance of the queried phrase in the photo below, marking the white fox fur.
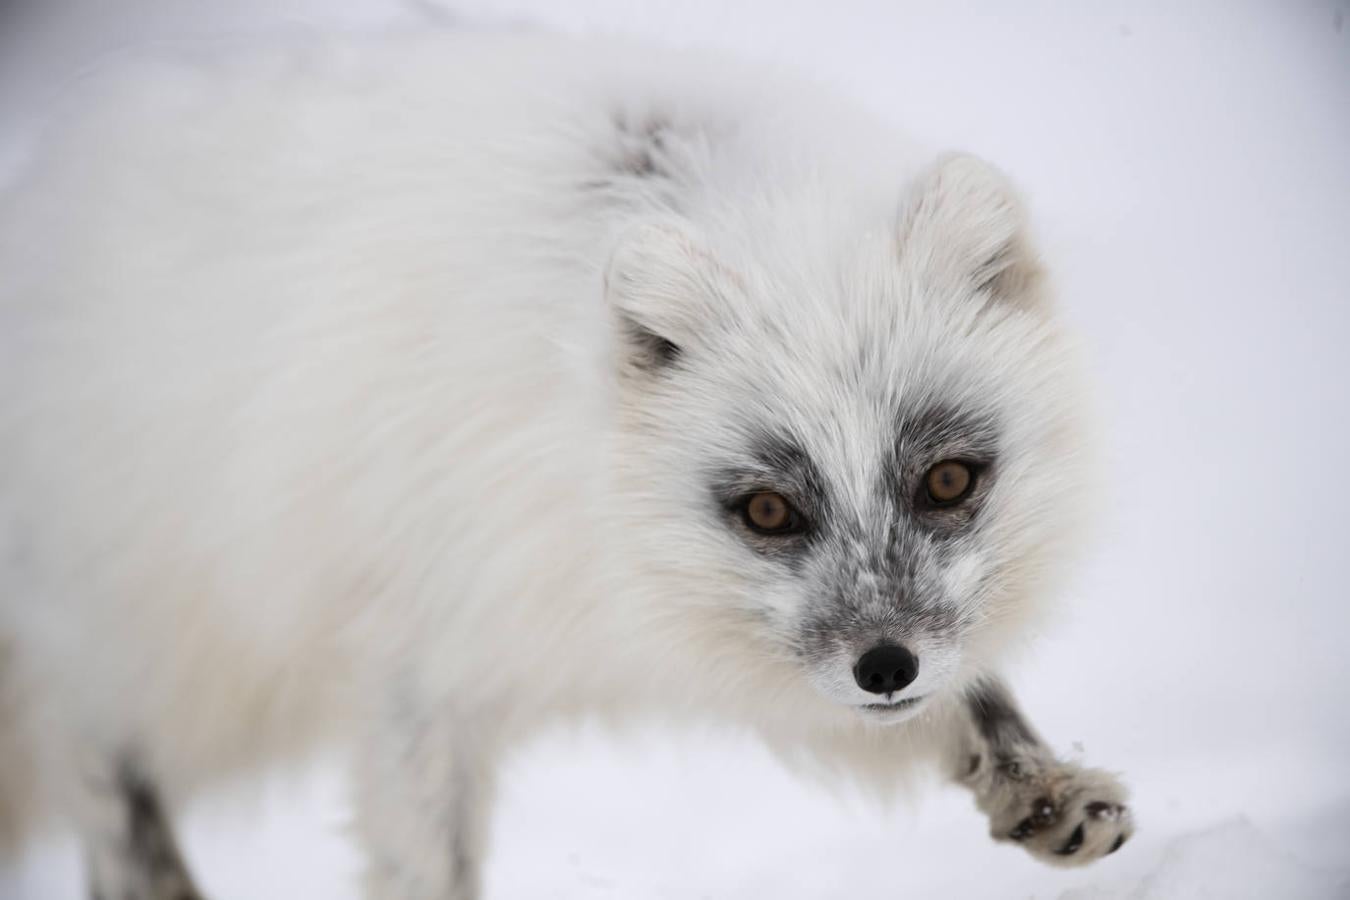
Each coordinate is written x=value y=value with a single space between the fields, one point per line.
x=334 y=405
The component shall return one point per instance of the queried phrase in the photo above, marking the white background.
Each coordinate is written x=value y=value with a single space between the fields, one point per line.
x=1188 y=167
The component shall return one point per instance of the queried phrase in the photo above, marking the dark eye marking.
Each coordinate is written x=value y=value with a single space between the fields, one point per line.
x=942 y=464
x=774 y=496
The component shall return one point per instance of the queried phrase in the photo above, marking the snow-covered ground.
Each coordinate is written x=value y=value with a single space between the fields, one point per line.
x=1189 y=167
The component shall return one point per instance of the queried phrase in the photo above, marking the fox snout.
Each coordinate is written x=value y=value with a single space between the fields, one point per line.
x=885 y=669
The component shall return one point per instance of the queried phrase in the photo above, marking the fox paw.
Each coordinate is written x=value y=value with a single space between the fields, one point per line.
x=1063 y=814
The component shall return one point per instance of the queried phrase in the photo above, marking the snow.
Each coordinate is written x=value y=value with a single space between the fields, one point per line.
x=1187 y=166
x=1231 y=860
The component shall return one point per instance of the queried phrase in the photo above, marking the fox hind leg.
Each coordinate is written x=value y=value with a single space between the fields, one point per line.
x=129 y=843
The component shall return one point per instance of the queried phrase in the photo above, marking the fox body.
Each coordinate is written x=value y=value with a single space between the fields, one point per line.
x=422 y=393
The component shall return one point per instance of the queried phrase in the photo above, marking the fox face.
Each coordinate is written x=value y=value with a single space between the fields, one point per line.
x=860 y=461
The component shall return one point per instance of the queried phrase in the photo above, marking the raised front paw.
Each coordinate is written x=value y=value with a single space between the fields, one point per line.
x=1061 y=813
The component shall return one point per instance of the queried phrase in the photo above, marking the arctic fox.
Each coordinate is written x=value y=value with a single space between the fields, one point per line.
x=426 y=392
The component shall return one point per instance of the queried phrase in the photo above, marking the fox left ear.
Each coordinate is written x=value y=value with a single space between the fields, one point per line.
x=667 y=292
x=964 y=226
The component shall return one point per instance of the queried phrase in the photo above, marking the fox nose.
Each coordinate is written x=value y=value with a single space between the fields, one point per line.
x=886 y=668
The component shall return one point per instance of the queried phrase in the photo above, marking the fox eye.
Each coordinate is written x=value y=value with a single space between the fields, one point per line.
x=949 y=482
x=768 y=512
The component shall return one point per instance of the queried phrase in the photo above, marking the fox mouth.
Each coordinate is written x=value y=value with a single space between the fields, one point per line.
x=896 y=706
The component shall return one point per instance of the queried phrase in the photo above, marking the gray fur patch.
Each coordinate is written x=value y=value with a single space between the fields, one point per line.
x=648 y=351
x=146 y=848
x=931 y=436
x=642 y=146
x=997 y=718
x=779 y=464
x=637 y=151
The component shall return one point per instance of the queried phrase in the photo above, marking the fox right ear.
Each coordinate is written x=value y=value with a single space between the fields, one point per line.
x=665 y=290
x=964 y=226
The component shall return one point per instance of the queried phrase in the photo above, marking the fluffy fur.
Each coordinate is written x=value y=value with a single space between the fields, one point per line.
x=404 y=393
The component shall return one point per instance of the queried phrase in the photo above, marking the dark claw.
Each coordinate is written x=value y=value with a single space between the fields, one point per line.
x=1023 y=830
x=1075 y=841
x=1120 y=842
x=1099 y=810
x=1043 y=811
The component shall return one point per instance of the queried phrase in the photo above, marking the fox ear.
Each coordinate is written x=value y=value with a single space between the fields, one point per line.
x=665 y=291
x=964 y=226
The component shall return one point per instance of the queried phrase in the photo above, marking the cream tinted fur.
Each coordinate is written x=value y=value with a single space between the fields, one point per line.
x=318 y=418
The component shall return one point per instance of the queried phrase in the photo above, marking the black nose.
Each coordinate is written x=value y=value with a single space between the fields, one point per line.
x=885 y=669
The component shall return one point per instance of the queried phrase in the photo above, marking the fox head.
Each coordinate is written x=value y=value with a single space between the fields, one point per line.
x=852 y=446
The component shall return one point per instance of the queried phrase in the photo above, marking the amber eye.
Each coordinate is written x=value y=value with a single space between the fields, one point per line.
x=949 y=481
x=769 y=513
